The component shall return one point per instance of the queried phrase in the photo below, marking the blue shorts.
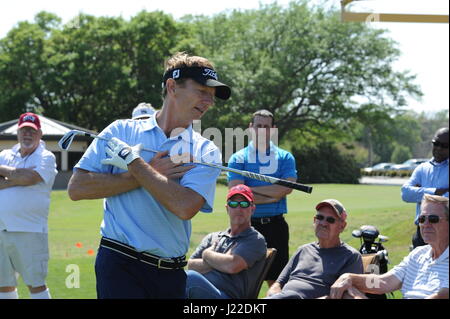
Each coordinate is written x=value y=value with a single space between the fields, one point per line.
x=121 y=277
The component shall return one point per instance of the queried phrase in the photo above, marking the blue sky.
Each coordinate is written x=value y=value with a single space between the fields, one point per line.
x=424 y=47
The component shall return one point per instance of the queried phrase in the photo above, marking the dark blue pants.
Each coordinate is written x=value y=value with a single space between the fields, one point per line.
x=121 y=277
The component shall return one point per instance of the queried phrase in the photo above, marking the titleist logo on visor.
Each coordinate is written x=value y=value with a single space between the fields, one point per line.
x=211 y=73
x=191 y=72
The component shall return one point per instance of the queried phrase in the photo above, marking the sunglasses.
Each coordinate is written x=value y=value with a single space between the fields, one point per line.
x=235 y=204
x=329 y=219
x=432 y=219
x=439 y=144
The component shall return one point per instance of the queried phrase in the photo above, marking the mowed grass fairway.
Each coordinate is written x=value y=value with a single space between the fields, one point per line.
x=74 y=229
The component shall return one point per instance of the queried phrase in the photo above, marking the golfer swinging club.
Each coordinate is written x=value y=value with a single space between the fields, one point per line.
x=149 y=200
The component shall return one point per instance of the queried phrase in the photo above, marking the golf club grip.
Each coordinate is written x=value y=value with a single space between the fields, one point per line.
x=297 y=186
x=274 y=180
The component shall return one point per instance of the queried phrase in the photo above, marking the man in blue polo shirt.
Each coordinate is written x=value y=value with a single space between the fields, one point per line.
x=264 y=157
x=428 y=178
x=146 y=226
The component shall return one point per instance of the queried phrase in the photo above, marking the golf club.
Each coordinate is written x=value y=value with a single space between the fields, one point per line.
x=65 y=142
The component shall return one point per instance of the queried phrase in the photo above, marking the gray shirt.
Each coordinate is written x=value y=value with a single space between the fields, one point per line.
x=312 y=270
x=250 y=245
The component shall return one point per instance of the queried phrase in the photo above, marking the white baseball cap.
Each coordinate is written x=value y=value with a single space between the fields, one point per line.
x=143 y=110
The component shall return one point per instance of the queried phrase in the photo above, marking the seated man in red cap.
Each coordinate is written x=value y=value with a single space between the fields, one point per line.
x=221 y=266
x=27 y=173
x=316 y=266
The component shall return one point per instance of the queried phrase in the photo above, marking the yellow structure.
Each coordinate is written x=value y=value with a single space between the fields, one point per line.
x=347 y=16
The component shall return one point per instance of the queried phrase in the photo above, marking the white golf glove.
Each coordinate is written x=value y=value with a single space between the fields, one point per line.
x=121 y=153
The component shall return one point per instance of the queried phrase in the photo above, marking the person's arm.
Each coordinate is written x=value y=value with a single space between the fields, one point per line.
x=228 y=263
x=20 y=176
x=89 y=185
x=413 y=190
x=441 y=191
x=181 y=201
x=199 y=265
x=259 y=198
x=441 y=294
x=235 y=182
x=274 y=289
x=274 y=191
x=370 y=283
x=4 y=183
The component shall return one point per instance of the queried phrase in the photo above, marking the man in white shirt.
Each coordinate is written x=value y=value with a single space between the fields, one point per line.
x=27 y=173
x=421 y=274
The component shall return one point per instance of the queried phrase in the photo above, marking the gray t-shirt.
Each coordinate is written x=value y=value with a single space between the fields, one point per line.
x=249 y=244
x=313 y=270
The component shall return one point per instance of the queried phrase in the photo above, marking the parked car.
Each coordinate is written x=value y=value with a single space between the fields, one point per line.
x=380 y=167
x=410 y=164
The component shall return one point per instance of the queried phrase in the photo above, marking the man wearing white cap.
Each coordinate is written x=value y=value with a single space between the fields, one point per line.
x=316 y=266
x=142 y=111
x=27 y=173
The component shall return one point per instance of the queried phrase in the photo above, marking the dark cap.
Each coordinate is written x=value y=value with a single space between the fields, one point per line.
x=201 y=75
x=242 y=190
x=29 y=119
x=335 y=205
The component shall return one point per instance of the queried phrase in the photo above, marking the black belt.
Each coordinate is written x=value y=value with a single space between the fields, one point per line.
x=266 y=220
x=156 y=261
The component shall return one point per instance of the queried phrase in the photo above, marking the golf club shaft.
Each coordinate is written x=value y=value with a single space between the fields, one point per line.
x=261 y=177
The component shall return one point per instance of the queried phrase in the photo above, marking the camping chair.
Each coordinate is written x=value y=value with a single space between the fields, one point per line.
x=260 y=271
x=372 y=263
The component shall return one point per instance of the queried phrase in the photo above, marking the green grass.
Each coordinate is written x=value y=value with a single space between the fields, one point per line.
x=79 y=222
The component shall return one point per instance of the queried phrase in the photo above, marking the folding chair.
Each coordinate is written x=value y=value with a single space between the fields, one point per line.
x=260 y=271
x=371 y=264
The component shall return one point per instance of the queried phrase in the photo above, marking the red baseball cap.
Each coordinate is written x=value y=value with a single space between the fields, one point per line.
x=336 y=206
x=242 y=190
x=29 y=119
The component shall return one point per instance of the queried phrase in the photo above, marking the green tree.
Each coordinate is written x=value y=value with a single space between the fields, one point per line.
x=401 y=153
x=24 y=67
x=89 y=71
x=303 y=64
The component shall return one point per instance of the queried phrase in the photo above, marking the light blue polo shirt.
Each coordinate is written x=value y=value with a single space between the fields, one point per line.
x=429 y=175
x=275 y=162
x=136 y=218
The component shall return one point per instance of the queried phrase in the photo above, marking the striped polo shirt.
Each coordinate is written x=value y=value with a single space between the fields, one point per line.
x=421 y=275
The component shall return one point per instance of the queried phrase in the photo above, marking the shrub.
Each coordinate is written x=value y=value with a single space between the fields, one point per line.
x=324 y=163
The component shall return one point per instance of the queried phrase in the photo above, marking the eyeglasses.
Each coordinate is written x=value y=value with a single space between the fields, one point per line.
x=235 y=204
x=329 y=219
x=439 y=144
x=432 y=219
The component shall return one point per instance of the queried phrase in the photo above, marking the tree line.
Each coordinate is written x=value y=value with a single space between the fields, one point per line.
x=322 y=78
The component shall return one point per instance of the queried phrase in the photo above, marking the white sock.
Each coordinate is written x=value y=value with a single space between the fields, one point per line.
x=42 y=295
x=9 y=295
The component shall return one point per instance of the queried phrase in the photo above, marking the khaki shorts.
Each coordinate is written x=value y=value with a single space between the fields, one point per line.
x=25 y=254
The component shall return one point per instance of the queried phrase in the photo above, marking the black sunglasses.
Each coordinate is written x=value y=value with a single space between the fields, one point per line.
x=329 y=219
x=432 y=219
x=439 y=144
x=234 y=204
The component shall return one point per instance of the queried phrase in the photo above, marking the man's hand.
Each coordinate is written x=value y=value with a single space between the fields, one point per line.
x=341 y=285
x=274 y=289
x=440 y=191
x=121 y=153
x=168 y=167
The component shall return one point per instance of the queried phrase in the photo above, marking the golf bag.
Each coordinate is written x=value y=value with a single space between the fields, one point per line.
x=375 y=256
